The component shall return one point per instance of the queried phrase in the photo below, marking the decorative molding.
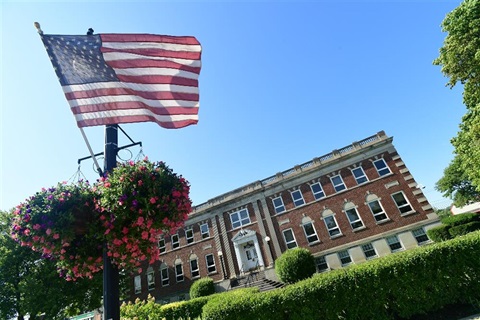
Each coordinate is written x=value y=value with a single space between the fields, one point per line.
x=282 y=222
x=392 y=184
x=399 y=164
x=404 y=170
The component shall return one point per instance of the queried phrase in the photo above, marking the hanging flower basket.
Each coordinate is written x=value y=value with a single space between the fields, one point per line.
x=56 y=222
x=138 y=202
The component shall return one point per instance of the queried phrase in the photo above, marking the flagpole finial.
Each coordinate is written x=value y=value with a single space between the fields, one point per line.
x=37 y=25
x=90 y=32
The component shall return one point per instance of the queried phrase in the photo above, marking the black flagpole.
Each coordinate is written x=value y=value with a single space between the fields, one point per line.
x=111 y=292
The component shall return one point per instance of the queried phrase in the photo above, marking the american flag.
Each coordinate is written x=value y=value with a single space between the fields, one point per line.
x=125 y=78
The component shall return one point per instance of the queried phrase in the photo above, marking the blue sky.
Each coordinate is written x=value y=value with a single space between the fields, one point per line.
x=281 y=83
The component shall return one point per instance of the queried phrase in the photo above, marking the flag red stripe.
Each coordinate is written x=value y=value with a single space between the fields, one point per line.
x=148 y=38
x=156 y=95
x=151 y=52
x=138 y=63
x=158 y=79
x=166 y=111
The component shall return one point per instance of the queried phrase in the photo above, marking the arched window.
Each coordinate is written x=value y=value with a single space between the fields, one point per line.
x=350 y=210
x=376 y=208
x=309 y=229
x=150 y=278
x=179 y=270
x=331 y=223
x=164 y=274
x=194 y=266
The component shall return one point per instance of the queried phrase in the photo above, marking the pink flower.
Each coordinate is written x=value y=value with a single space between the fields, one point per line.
x=26 y=232
x=140 y=182
x=125 y=230
x=140 y=221
x=36 y=226
x=56 y=236
x=49 y=231
x=145 y=235
x=152 y=200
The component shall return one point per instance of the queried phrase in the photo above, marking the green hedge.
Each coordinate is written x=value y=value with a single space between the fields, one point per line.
x=202 y=287
x=440 y=233
x=295 y=265
x=460 y=219
x=464 y=228
x=394 y=287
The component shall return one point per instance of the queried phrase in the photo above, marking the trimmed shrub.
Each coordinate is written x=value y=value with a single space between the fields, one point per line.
x=295 y=265
x=440 y=233
x=462 y=229
x=202 y=287
x=460 y=219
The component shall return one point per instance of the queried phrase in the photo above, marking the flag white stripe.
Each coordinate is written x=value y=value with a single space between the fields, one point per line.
x=132 y=86
x=156 y=71
x=152 y=45
x=134 y=112
x=134 y=98
x=113 y=56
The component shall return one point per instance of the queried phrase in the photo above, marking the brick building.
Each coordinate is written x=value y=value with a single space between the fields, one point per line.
x=353 y=204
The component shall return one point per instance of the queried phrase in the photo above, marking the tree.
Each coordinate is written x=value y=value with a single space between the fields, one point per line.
x=202 y=287
x=455 y=184
x=31 y=285
x=460 y=61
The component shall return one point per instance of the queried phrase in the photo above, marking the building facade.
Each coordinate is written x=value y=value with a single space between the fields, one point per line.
x=348 y=206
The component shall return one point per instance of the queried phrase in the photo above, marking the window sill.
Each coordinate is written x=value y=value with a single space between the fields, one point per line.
x=336 y=236
x=314 y=243
x=408 y=213
x=384 y=221
x=359 y=229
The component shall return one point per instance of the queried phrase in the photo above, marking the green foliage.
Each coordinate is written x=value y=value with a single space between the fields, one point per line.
x=464 y=228
x=440 y=233
x=31 y=285
x=394 y=287
x=295 y=265
x=460 y=219
x=460 y=61
x=202 y=287
x=455 y=184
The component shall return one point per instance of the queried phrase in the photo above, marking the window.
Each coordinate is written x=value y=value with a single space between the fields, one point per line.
x=337 y=182
x=210 y=263
x=310 y=232
x=402 y=202
x=297 y=198
x=345 y=258
x=376 y=208
x=189 y=235
x=394 y=243
x=278 y=205
x=353 y=217
x=239 y=218
x=150 y=278
x=369 y=251
x=164 y=275
x=289 y=239
x=138 y=284
x=182 y=297
x=359 y=175
x=317 y=190
x=204 y=231
x=194 y=267
x=179 y=272
x=175 y=241
x=381 y=167
x=321 y=264
x=420 y=236
x=332 y=227
x=161 y=245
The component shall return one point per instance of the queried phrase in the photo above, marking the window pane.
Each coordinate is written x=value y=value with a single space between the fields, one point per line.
x=381 y=167
x=310 y=232
x=394 y=243
x=369 y=251
x=210 y=263
x=321 y=264
x=359 y=175
x=278 y=204
x=317 y=191
x=338 y=183
x=297 y=198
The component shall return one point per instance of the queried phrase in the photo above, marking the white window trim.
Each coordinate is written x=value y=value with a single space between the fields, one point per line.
x=163 y=248
x=196 y=270
x=373 y=248
x=297 y=200
x=167 y=279
x=326 y=263
x=214 y=264
x=358 y=220
x=340 y=257
x=240 y=220
x=424 y=234
x=280 y=206
x=138 y=284
x=386 y=167
x=177 y=274
x=364 y=175
x=192 y=238
x=315 y=193
x=152 y=278
x=285 y=238
x=398 y=241
x=337 y=227
x=378 y=213
x=175 y=242
x=335 y=185
x=205 y=233
x=407 y=204
x=314 y=233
